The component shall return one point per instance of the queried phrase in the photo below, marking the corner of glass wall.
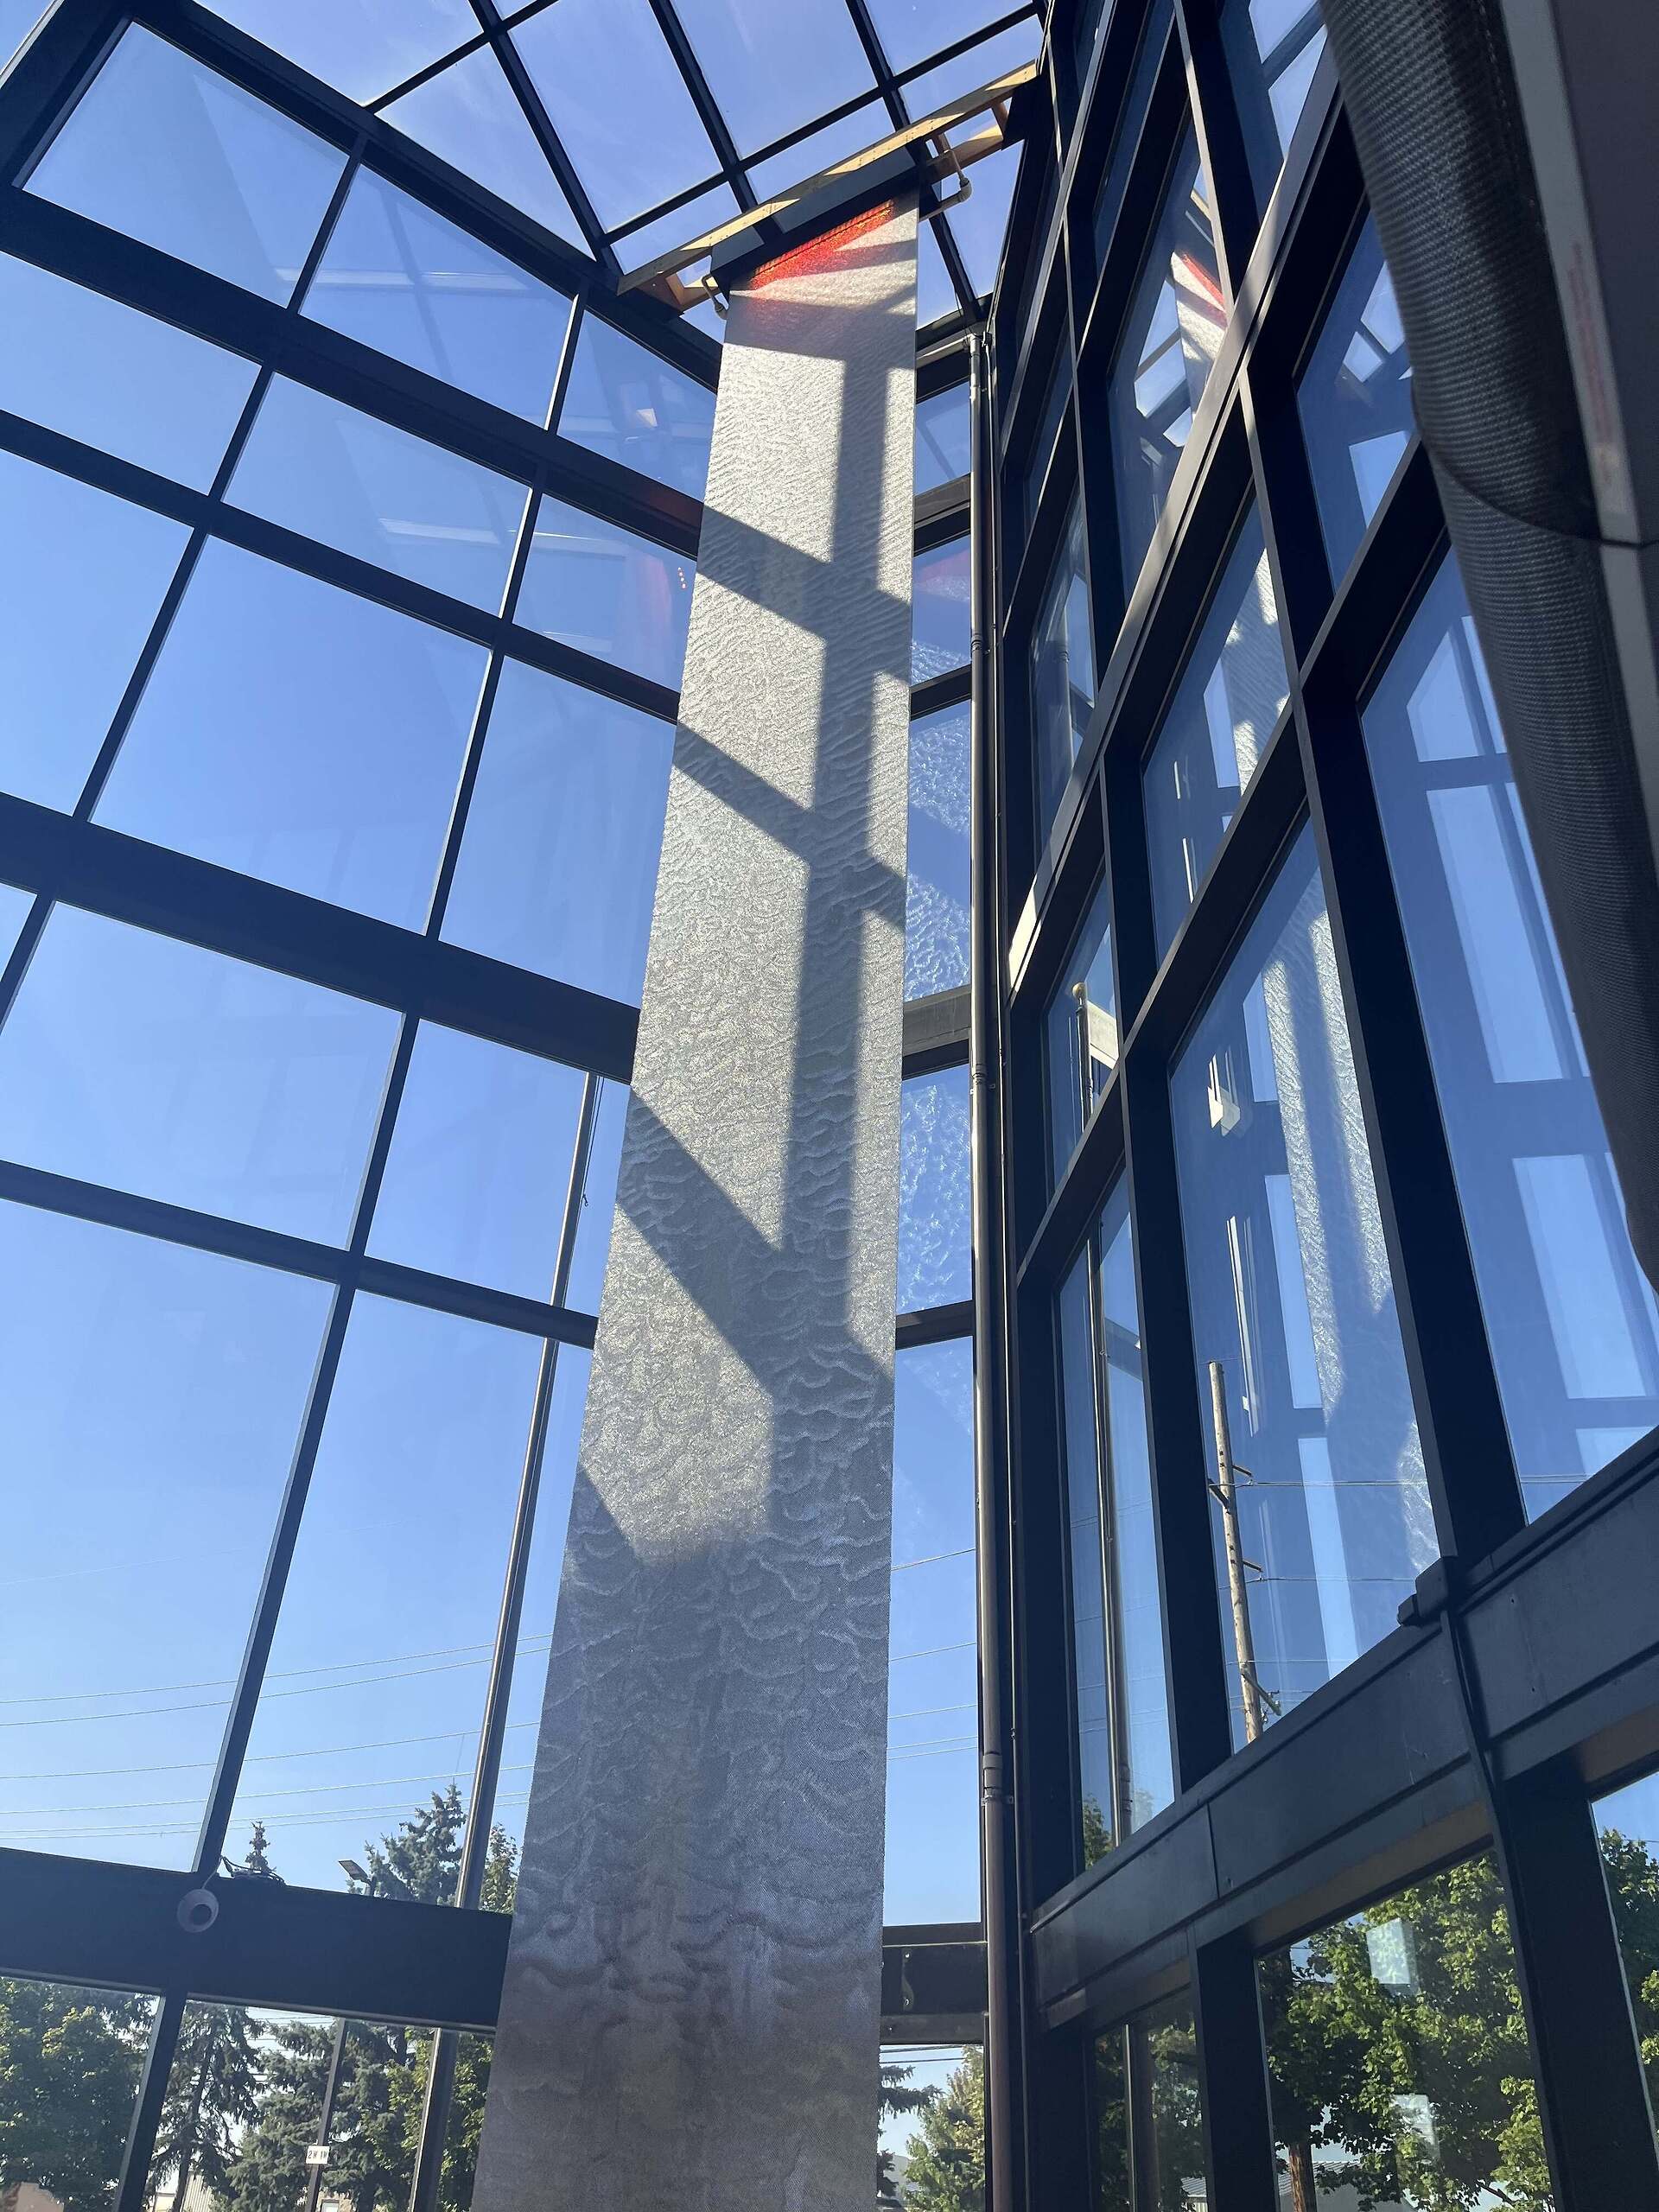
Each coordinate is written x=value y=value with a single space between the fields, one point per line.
x=1124 y=1761
x=1570 y=1315
x=1320 y=1506
x=1398 y=2060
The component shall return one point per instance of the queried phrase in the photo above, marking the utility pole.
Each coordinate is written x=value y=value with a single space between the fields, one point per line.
x=1224 y=1489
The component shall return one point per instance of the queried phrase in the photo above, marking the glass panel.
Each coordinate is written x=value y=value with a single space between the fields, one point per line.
x=930 y=2146
x=82 y=578
x=1230 y=695
x=468 y=116
x=591 y=584
x=1154 y=40
x=17 y=19
x=1628 y=1822
x=1273 y=48
x=1048 y=431
x=130 y=1059
x=912 y=30
x=383 y=1644
x=1173 y=333
x=932 y=1845
x=618 y=103
x=980 y=223
x=14 y=912
x=940 y=634
x=359 y=485
x=558 y=860
x=1151 y=2067
x=935 y=295
x=300 y=734
x=772 y=72
x=935 y=1266
x=403 y=280
x=821 y=149
x=170 y=153
x=980 y=64
x=706 y=213
x=155 y=1395
x=1397 y=2055
x=599 y=1199
x=937 y=890
x=362 y=47
x=944 y=438
x=1080 y=1032
x=479 y=1167
x=1574 y=1326
x=1292 y=1313
x=173 y=405
x=627 y=403
x=1117 y=1622
x=68 y=2086
x=1355 y=400
x=1062 y=673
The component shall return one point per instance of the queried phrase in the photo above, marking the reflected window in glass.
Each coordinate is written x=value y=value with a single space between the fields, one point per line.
x=940 y=632
x=1150 y=2113
x=935 y=1265
x=1122 y=1707
x=130 y=1060
x=479 y=1172
x=932 y=1821
x=1627 y=1825
x=172 y=408
x=1273 y=48
x=1570 y=1315
x=422 y=1401
x=157 y=1394
x=296 y=733
x=400 y=278
x=1229 y=697
x=1080 y=1032
x=170 y=153
x=937 y=855
x=1325 y=1523
x=607 y=591
x=558 y=869
x=944 y=437
x=368 y=489
x=1055 y=396
x=1148 y=60
x=1169 y=347
x=1354 y=397
x=1398 y=2061
x=1062 y=672
x=627 y=403
x=82 y=578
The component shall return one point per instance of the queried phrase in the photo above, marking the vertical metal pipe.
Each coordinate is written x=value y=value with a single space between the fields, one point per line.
x=1001 y=1929
x=1226 y=1489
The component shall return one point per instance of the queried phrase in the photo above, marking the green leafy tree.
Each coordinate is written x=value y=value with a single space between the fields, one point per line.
x=899 y=2096
x=69 y=2066
x=1096 y=1835
x=947 y=2155
x=1413 y=2084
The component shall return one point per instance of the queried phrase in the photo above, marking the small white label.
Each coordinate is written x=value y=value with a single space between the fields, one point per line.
x=316 y=2154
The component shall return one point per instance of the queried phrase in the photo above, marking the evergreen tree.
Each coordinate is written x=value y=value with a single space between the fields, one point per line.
x=423 y=1859
x=69 y=2065
x=897 y=2097
x=269 y=2172
x=947 y=2156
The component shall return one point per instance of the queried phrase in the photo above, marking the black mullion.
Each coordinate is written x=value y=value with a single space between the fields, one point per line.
x=709 y=112
x=428 y=70
x=1221 y=137
x=1237 y=2122
x=147 y=2110
x=536 y=114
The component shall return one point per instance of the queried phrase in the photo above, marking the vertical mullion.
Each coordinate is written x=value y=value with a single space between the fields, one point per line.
x=1468 y=1461
x=1220 y=136
x=157 y=2072
x=1232 y=2060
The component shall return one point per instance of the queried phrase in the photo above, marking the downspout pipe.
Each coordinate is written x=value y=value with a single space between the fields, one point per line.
x=990 y=1337
x=1505 y=146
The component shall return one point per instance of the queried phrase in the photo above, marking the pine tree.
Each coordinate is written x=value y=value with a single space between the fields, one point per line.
x=213 y=2093
x=423 y=1859
x=897 y=2097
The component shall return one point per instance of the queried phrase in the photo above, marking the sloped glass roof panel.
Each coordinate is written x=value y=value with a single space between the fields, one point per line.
x=176 y=155
x=362 y=47
x=405 y=281
x=772 y=68
x=980 y=64
x=865 y=126
x=468 y=116
x=618 y=103
x=980 y=223
x=697 y=215
x=910 y=31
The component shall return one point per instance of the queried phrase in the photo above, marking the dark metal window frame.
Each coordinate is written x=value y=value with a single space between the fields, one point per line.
x=1528 y=1677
